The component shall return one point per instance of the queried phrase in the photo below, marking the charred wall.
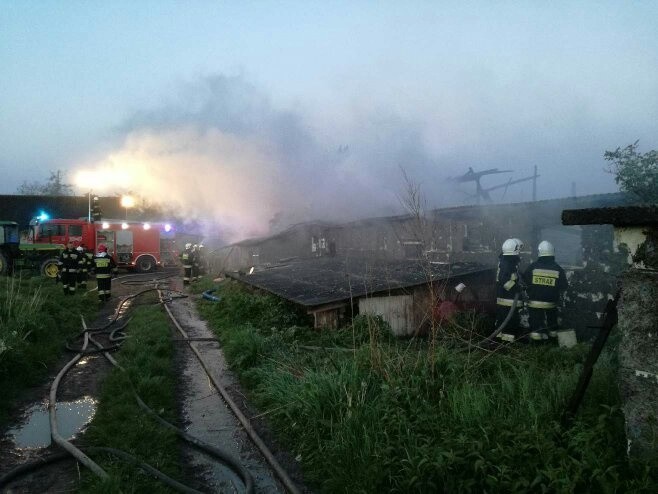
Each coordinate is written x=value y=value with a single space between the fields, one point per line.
x=591 y=285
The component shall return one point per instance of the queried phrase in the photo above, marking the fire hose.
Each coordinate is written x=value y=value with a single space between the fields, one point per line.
x=80 y=456
x=208 y=295
x=505 y=322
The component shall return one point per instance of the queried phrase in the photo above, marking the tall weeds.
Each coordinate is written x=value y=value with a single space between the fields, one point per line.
x=35 y=321
x=414 y=416
x=19 y=311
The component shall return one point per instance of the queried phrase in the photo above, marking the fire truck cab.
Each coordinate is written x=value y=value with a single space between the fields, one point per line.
x=132 y=244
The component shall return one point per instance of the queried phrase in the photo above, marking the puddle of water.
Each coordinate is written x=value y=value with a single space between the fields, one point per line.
x=72 y=417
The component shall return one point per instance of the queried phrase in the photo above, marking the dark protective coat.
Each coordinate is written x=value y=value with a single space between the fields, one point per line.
x=84 y=266
x=507 y=279
x=545 y=280
x=508 y=285
x=68 y=269
x=105 y=267
x=188 y=259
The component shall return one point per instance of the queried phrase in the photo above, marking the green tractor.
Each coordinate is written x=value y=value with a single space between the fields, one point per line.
x=15 y=256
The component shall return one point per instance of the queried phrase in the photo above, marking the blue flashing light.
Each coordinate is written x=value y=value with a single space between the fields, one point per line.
x=43 y=216
x=167 y=228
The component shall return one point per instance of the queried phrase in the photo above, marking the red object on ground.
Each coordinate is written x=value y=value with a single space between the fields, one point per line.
x=445 y=310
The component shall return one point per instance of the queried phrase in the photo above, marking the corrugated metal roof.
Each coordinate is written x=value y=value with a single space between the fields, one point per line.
x=545 y=212
x=326 y=280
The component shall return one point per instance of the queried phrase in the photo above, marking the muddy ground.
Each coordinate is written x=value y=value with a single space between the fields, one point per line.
x=202 y=412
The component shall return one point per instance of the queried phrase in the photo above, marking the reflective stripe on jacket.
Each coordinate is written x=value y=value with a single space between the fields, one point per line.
x=545 y=279
x=104 y=265
x=69 y=261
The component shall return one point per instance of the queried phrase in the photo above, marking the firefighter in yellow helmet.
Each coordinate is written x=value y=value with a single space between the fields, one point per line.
x=545 y=281
x=508 y=286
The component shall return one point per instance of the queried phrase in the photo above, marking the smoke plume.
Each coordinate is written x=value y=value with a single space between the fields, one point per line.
x=220 y=153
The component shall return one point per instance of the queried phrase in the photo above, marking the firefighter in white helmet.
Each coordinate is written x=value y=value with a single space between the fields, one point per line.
x=508 y=281
x=545 y=281
x=187 y=259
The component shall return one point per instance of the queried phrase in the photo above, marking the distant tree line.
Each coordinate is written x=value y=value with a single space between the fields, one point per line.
x=54 y=186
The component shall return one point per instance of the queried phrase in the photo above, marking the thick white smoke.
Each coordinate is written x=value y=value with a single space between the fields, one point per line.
x=204 y=175
x=222 y=154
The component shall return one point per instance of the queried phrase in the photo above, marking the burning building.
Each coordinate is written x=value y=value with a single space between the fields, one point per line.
x=469 y=234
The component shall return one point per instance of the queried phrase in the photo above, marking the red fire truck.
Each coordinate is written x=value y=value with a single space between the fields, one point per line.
x=142 y=246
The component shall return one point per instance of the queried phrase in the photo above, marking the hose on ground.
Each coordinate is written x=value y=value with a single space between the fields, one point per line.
x=208 y=295
x=225 y=458
x=79 y=455
x=490 y=338
x=32 y=466
x=505 y=322
x=269 y=457
x=215 y=452
x=54 y=432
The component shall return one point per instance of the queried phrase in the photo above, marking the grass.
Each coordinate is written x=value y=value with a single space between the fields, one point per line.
x=409 y=416
x=35 y=321
x=147 y=357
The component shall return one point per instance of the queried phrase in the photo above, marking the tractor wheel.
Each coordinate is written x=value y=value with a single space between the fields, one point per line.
x=4 y=267
x=49 y=268
x=145 y=264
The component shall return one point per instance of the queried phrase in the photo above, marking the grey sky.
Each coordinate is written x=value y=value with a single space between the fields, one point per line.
x=309 y=109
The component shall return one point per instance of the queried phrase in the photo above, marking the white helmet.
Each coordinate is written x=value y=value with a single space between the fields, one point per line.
x=188 y=245
x=520 y=242
x=545 y=248
x=512 y=247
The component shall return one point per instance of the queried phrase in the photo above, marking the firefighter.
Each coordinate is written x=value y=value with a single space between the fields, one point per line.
x=83 y=267
x=508 y=285
x=201 y=260
x=545 y=281
x=187 y=259
x=195 y=262
x=68 y=268
x=89 y=254
x=105 y=268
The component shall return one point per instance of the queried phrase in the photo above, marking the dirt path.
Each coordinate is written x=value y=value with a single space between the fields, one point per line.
x=205 y=414
x=202 y=411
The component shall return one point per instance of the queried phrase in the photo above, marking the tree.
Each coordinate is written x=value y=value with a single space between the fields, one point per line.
x=53 y=187
x=635 y=172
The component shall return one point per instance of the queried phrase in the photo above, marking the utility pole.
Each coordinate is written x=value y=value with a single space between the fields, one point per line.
x=534 y=185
